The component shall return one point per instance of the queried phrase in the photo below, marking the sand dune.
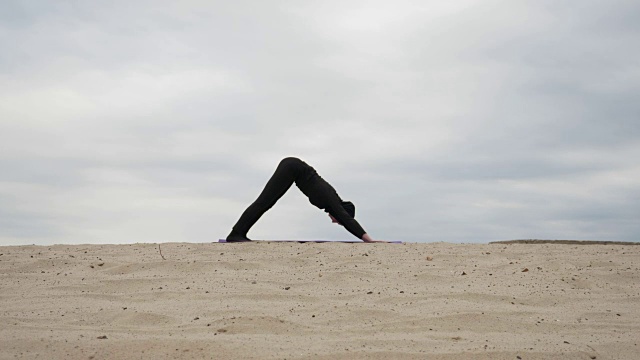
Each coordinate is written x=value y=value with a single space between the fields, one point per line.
x=320 y=301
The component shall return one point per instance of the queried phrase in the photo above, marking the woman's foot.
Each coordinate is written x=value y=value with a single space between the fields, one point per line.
x=235 y=237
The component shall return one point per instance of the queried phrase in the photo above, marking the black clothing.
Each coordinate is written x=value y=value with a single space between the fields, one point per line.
x=319 y=192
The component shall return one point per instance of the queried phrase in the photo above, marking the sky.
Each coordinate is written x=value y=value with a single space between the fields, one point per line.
x=458 y=121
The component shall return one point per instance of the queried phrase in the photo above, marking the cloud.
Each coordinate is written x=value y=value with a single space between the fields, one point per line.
x=463 y=122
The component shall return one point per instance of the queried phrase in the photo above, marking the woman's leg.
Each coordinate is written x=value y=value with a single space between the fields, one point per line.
x=280 y=182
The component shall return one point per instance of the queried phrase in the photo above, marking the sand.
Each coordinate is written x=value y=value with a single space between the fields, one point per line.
x=320 y=301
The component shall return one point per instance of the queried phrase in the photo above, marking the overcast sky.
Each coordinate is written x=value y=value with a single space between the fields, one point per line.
x=458 y=121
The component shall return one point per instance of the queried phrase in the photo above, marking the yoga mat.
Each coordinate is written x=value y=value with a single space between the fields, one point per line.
x=313 y=241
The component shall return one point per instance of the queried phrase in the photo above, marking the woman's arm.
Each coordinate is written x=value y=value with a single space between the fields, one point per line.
x=337 y=211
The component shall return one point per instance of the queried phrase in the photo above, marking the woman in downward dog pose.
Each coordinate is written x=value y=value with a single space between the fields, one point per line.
x=319 y=192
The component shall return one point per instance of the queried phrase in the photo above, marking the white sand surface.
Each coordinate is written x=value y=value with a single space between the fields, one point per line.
x=320 y=301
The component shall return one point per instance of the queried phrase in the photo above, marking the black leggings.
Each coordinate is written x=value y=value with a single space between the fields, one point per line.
x=286 y=173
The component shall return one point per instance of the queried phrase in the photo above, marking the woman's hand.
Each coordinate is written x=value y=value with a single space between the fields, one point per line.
x=366 y=238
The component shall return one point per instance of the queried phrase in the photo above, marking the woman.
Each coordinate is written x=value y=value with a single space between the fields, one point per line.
x=319 y=192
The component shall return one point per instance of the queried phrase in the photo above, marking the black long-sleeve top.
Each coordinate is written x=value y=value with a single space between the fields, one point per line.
x=322 y=195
